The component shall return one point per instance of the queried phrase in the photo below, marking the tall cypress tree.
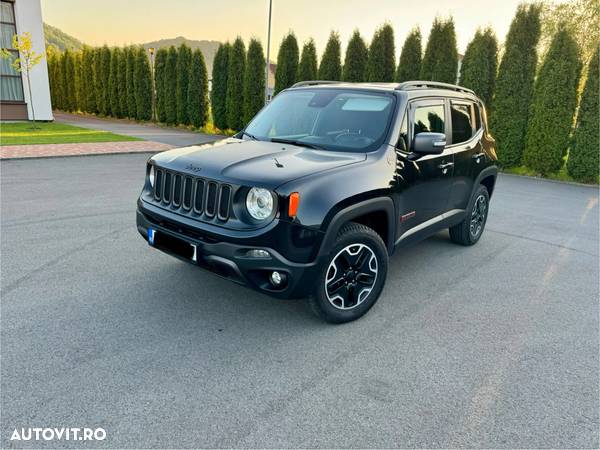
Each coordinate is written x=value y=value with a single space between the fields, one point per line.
x=254 y=81
x=409 y=66
x=79 y=82
x=355 y=61
x=235 y=85
x=514 y=85
x=584 y=159
x=113 y=83
x=129 y=81
x=122 y=83
x=381 y=65
x=197 y=101
x=142 y=83
x=59 y=81
x=88 y=79
x=184 y=57
x=51 y=61
x=440 y=62
x=218 y=93
x=68 y=81
x=479 y=66
x=553 y=105
x=307 y=69
x=160 y=64
x=102 y=72
x=170 y=86
x=331 y=62
x=287 y=63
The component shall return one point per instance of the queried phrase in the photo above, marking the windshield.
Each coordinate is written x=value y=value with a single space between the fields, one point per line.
x=330 y=119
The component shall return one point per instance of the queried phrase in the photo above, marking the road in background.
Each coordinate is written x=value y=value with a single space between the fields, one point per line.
x=494 y=345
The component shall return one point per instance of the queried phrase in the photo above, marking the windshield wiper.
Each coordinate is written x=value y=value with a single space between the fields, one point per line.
x=251 y=136
x=298 y=143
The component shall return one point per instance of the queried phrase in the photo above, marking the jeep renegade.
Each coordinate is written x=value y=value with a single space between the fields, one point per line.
x=321 y=187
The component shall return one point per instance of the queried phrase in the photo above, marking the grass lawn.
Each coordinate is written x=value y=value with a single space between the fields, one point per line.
x=54 y=133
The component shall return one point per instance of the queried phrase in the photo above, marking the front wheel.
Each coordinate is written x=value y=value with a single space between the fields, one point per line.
x=471 y=228
x=352 y=276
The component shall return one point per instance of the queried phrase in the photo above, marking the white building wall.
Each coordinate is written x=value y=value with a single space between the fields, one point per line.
x=28 y=17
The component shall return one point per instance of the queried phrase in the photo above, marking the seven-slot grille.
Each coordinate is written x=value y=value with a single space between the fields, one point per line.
x=192 y=194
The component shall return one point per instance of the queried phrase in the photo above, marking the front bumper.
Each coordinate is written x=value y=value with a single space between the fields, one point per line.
x=229 y=259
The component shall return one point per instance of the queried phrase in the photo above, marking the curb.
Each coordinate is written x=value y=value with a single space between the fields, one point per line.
x=548 y=180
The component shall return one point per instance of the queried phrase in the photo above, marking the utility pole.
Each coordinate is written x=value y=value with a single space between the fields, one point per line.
x=268 y=55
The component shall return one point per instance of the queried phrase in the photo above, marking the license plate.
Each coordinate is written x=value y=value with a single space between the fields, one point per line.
x=172 y=244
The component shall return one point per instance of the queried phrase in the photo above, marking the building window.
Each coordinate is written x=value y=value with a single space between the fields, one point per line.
x=11 y=85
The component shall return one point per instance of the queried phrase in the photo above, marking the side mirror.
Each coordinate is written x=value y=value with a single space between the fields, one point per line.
x=429 y=143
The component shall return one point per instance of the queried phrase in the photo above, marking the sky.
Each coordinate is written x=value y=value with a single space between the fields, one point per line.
x=118 y=22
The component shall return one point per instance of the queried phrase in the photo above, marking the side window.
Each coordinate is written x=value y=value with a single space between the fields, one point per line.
x=429 y=118
x=462 y=122
x=403 y=140
x=477 y=111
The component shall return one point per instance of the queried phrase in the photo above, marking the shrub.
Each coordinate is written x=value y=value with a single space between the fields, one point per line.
x=331 y=62
x=479 y=66
x=254 y=81
x=553 y=106
x=218 y=92
x=514 y=85
x=583 y=163
x=160 y=64
x=184 y=57
x=355 y=61
x=440 y=62
x=197 y=98
x=170 y=86
x=143 y=85
x=235 y=85
x=287 y=63
x=381 y=65
x=307 y=69
x=409 y=66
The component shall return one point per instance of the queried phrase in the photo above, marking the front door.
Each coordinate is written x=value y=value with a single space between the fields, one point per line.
x=428 y=180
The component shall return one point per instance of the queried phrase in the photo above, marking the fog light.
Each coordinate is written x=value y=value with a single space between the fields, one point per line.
x=258 y=253
x=277 y=279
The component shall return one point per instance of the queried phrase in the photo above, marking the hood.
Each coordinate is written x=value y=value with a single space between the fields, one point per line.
x=260 y=163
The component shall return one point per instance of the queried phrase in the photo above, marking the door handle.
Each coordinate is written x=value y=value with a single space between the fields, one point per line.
x=445 y=167
x=478 y=156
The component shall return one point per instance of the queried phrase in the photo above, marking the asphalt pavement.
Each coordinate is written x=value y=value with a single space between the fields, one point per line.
x=495 y=345
x=149 y=132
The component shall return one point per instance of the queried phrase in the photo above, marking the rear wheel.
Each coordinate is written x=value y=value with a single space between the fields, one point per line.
x=471 y=228
x=352 y=277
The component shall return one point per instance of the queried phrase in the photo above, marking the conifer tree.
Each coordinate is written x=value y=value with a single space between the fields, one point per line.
x=113 y=83
x=68 y=81
x=287 y=63
x=409 y=66
x=129 y=82
x=307 y=69
x=197 y=101
x=79 y=82
x=331 y=62
x=553 y=105
x=87 y=62
x=514 y=85
x=218 y=92
x=480 y=64
x=235 y=85
x=381 y=65
x=102 y=72
x=122 y=83
x=355 y=61
x=170 y=86
x=142 y=84
x=584 y=157
x=254 y=81
x=440 y=62
x=184 y=57
x=160 y=64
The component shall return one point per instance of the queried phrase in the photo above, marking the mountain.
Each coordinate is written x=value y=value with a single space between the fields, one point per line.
x=60 y=39
x=208 y=48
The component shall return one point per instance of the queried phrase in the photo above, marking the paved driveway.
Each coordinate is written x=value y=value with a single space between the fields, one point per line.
x=171 y=136
x=490 y=346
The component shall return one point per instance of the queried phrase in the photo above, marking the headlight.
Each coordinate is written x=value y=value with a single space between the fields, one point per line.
x=151 y=176
x=259 y=203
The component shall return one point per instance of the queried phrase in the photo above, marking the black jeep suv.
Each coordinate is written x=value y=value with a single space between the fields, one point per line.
x=328 y=179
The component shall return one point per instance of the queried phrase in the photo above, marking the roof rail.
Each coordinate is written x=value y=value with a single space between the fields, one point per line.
x=407 y=85
x=313 y=83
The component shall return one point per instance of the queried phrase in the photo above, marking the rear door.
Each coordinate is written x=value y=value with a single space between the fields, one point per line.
x=428 y=180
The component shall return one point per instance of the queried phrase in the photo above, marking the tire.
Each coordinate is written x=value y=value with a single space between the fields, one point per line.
x=464 y=233
x=362 y=256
